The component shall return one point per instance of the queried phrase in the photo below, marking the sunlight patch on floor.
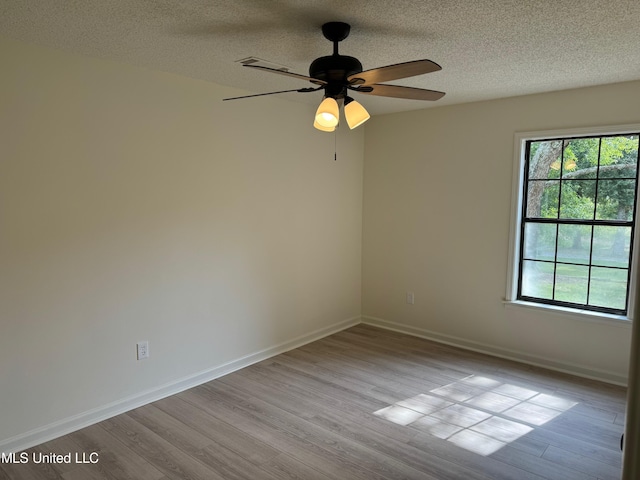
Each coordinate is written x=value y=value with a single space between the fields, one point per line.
x=477 y=413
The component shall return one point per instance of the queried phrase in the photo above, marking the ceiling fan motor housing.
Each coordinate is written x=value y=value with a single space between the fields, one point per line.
x=335 y=69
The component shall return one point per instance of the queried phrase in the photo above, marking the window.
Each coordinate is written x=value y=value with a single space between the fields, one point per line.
x=575 y=225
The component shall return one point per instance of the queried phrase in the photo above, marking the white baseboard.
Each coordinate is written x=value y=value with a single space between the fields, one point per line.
x=90 y=417
x=572 y=369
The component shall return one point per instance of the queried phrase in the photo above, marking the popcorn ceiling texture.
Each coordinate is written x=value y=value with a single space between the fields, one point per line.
x=487 y=48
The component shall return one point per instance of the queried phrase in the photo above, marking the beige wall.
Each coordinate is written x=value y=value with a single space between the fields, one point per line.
x=437 y=199
x=136 y=205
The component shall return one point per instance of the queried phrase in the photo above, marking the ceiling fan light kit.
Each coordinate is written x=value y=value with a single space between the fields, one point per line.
x=354 y=113
x=337 y=74
x=328 y=113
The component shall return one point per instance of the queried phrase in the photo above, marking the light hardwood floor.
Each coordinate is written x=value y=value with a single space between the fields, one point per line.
x=362 y=404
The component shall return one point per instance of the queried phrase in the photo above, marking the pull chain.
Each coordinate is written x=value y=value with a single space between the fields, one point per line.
x=335 y=145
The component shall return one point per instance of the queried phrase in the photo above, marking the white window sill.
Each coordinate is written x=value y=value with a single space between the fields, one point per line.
x=585 y=315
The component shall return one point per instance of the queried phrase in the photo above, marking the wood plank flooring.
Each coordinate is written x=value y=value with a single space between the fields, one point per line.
x=366 y=404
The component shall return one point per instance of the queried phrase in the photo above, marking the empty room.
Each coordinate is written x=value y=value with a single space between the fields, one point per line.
x=319 y=240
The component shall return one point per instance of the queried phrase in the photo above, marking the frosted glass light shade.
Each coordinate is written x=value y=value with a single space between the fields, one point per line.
x=355 y=114
x=324 y=129
x=327 y=113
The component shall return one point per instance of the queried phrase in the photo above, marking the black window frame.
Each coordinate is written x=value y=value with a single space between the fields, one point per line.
x=524 y=220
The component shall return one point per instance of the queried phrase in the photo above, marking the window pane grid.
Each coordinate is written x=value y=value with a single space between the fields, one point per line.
x=578 y=186
x=591 y=251
x=568 y=221
x=559 y=206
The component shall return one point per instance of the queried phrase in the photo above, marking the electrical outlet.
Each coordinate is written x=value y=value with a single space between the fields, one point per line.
x=410 y=298
x=143 y=350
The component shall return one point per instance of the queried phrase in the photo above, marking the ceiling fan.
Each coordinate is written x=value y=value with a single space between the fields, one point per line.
x=338 y=74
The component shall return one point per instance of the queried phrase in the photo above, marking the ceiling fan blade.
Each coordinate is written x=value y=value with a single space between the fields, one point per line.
x=393 y=72
x=397 y=91
x=301 y=90
x=288 y=74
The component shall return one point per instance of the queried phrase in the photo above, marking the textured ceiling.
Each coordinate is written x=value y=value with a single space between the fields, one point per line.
x=487 y=48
